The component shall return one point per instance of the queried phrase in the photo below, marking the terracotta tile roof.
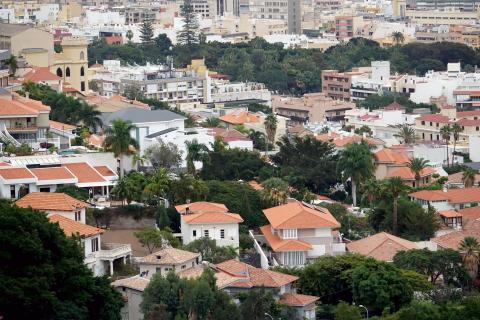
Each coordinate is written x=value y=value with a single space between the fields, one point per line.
x=381 y=246
x=240 y=117
x=96 y=140
x=394 y=106
x=229 y=135
x=211 y=217
x=469 y=122
x=297 y=300
x=105 y=171
x=168 y=256
x=38 y=74
x=458 y=178
x=452 y=240
x=296 y=215
x=341 y=140
x=466 y=92
x=11 y=173
x=4 y=164
x=201 y=206
x=15 y=107
x=71 y=227
x=471 y=113
x=222 y=279
x=465 y=195
x=450 y=214
x=136 y=283
x=434 y=118
x=391 y=156
x=52 y=173
x=84 y=172
x=61 y=126
x=280 y=245
x=407 y=174
x=50 y=201
x=470 y=218
x=33 y=104
x=255 y=277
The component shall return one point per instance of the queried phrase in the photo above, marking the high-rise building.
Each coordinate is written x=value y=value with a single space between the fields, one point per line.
x=290 y=10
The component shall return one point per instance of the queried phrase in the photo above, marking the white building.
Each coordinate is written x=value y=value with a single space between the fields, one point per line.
x=367 y=84
x=166 y=260
x=447 y=199
x=211 y=220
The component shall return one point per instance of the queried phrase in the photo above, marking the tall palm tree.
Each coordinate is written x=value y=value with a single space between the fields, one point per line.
x=456 y=129
x=468 y=178
x=270 y=124
x=158 y=183
x=124 y=189
x=417 y=165
x=406 y=134
x=356 y=164
x=394 y=187
x=445 y=131
x=470 y=250
x=89 y=117
x=275 y=191
x=371 y=190
x=398 y=37
x=119 y=141
x=195 y=152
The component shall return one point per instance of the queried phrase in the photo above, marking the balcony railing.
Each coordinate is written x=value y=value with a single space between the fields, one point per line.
x=113 y=251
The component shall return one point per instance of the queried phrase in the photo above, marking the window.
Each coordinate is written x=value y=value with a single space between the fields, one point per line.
x=78 y=215
x=82 y=55
x=206 y=233
x=289 y=233
x=222 y=234
x=184 y=266
x=82 y=71
x=13 y=194
x=95 y=245
x=423 y=123
x=59 y=72
x=158 y=270
x=194 y=233
x=67 y=72
x=45 y=189
x=82 y=86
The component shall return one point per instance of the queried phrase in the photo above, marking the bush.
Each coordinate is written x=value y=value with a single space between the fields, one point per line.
x=246 y=242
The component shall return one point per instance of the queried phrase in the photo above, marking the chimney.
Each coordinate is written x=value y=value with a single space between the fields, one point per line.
x=187 y=210
x=444 y=189
x=27 y=95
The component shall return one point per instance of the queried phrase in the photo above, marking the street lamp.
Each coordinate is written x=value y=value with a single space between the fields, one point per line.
x=362 y=306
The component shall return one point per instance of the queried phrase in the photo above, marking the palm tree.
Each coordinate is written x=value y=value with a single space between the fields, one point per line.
x=12 y=64
x=89 y=117
x=371 y=189
x=270 y=123
x=394 y=187
x=158 y=183
x=398 y=37
x=195 y=152
x=469 y=177
x=124 y=189
x=275 y=191
x=470 y=250
x=258 y=139
x=417 y=165
x=456 y=129
x=445 y=131
x=119 y=141
x=211 y=123
x=406 y=134
x=356 y=164
x=129 y=35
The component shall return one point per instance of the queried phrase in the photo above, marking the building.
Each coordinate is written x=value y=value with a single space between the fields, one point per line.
x=347 y=27
x=381 y=246
x=461 y=223
x=341 y=139
x=310 y=108
x=447 y=199
x=99 y=257
x=55 y=203
x=455 y=180
x=437 y=17
x=298 y=232
x=291 y=11
x=374 y=82
x=166 y=260
x=211 y=220
x=233 y=138
x=336 y=85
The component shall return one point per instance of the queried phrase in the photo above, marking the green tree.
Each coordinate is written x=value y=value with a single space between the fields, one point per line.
x=146 y=32
x=50 y=280
x=211 y=122
x=469 y=177
x=12 y=64
x=470 y=250
x=419 y=310
x=417 y=165
x=406 y=134
x=456 y=130
x=356 y=164
x=398 y=37
x=445 y=131
x=210 y=251
x=89 y=117
x=133 y=92
x=394 y=187
x=275 y=192
x=187 y=188
x=270 y=124
x=153 y=239
x=163 y=219
x=195 y=152
x=371 y=191
x=345 y=311
x=119 y=141
x=73 y=191
x=166 y=155
x=256 y=303
x=158 y=183
x=129 y=35
x=189 y=34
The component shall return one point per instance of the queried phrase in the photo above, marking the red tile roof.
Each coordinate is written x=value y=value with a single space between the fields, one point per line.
x=10 y=173
x=458 y=178
x=381 y=246
x=201 y=206
x=297 y=300
x=296 y=215
x=281 y=245
x=450 y=214
x=61 y=126
x=57 y=173
x=469 y=122
x=452 y=240
x=211 y=217
x=434 y=118
x=229 y=135
x=84 y=172
x=50 y=201
x=465 y=195
x=105 y=171
x=471 y=113
x=387 y=155
x=71 y=227
x=407 y=174
x=240 y=117
x=341 y=140
x=38 y=74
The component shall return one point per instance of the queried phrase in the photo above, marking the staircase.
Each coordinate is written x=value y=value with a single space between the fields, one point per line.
x=6 y=137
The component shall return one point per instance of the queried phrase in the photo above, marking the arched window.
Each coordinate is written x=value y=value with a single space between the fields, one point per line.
x=82 y=86
x=67 y=72
x=59 y=72
x=82 y=71
x=82 y=55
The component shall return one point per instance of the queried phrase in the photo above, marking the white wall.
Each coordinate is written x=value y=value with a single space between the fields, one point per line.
x=474 y=150
x=231 y=233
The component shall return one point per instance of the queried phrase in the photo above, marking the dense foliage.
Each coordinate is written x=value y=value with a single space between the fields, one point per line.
x=43 y=275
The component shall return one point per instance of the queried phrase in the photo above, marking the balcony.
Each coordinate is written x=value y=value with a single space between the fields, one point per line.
x=112 y=251
x=21 y=128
